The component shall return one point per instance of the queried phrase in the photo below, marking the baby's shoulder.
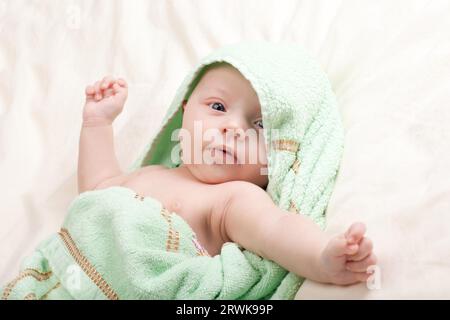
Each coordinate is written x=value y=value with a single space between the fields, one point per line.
x=235 y=191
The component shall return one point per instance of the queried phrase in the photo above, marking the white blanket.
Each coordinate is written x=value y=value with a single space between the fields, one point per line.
x=389 y=62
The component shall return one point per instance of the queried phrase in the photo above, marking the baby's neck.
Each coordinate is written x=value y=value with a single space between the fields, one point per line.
x=183 y=172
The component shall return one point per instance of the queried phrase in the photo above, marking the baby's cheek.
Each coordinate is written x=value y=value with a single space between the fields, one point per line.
x=262 y=154
x=248 y=151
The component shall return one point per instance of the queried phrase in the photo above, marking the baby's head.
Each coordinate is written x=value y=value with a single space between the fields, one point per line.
x=223 y=112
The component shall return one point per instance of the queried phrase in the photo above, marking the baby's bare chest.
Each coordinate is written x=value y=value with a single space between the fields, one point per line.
x=194 y=202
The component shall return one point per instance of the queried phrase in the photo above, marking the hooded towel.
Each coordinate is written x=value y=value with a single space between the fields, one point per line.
x=303 y=131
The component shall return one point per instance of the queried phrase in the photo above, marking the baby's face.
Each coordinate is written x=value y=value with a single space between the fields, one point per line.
x=223 y=112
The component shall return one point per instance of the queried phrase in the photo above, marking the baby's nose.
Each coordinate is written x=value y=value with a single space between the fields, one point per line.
x=234 y=127
x=235 y=132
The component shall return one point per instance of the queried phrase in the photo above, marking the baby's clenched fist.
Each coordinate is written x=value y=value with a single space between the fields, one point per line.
x=347 y=257
x=104 y=101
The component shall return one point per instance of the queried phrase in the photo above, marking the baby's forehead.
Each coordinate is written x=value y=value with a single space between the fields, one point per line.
x=221 y=72
x=228 y=81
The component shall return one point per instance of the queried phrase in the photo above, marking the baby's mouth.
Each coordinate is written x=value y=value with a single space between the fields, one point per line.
x=228 y=156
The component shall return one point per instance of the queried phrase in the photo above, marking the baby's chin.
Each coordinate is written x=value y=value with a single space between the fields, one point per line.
x=215 y=173
x=221 y=173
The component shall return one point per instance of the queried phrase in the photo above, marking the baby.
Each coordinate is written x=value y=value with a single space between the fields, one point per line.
x=223 y=200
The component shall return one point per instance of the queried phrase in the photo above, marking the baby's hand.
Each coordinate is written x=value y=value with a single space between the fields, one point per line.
x=346 y=257
x=105 y=100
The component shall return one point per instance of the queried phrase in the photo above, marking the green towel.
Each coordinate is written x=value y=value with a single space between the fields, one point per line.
x=115 y=244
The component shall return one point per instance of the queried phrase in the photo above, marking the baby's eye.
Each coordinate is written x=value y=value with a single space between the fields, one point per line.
x=219 y=106
x=259 y=123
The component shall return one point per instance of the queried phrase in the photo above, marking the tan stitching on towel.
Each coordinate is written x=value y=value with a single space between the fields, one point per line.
x=30 y=296
x=87 y=267
x=293 y=207
x=57 y=285
x=295 y=165
x=285 y=145
x=173 y=237
x=39 y=276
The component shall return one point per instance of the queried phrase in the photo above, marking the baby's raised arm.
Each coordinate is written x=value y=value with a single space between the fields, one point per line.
x=97 y=160
x=251 y=219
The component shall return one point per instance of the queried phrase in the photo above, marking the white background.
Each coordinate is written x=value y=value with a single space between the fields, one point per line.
x=389 y=63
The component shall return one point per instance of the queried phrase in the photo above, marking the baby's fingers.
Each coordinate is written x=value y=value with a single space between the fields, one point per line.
x=120 y=89
x=339 y=247
x=361 y=276
x=98 y=93
x=106 y=82
x=355 y=233
x=361 y=266
x=90 y=90
x=122 y=82
x=116 y=88
x=365 y=249
x=120 y=92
